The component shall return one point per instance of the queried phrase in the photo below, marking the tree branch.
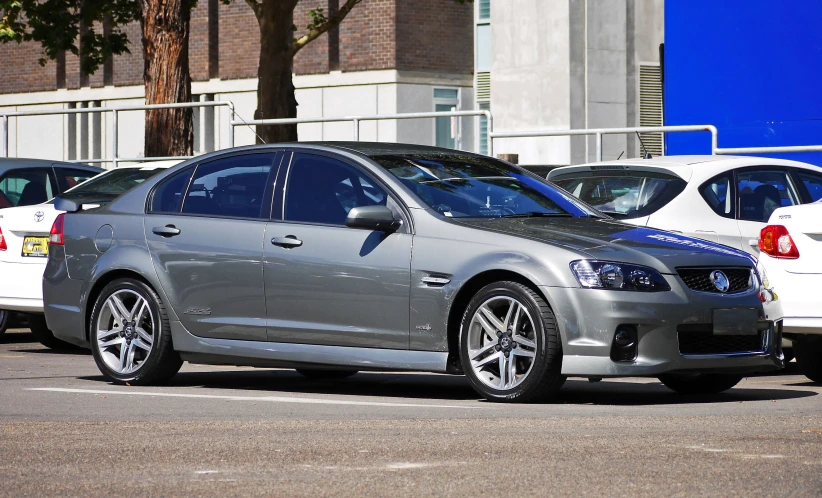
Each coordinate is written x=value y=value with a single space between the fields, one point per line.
x=256 y=7
x=314 y=32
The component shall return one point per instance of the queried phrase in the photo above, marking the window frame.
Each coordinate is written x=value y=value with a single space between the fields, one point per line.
x=732 y=193
x=267 y=192
x=58 y=175
x=278 y=211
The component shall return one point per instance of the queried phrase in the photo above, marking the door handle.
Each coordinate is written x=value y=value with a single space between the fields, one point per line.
x=166 y=231
x=288 y=241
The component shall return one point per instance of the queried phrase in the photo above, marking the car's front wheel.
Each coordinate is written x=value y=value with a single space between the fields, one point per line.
x=510 y=346
x=809 y=357
x=696 y=383
x=130 y=336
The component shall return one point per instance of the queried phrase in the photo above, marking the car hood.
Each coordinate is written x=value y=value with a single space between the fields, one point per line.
x=610 y=240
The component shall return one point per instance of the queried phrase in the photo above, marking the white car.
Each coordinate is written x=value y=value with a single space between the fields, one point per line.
x=725 y=199
x=790 y=262
x=24 y=236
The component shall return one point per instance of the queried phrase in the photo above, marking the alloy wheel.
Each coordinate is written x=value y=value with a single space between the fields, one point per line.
x=125 y=331
x=502 y=342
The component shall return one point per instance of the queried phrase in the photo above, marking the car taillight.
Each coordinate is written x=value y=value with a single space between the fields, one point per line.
x=2 y=241
x=56 y=233
x=775 y=241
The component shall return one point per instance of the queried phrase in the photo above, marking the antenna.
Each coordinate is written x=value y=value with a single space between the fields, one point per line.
x=645 y=154
x=620 y=155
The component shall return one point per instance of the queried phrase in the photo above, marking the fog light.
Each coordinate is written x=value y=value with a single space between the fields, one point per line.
x=624 y=345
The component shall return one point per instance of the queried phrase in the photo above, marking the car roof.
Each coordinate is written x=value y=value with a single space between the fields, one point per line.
x=687 y=167
x=7 y=163
x=385 y=148
x=165 y=163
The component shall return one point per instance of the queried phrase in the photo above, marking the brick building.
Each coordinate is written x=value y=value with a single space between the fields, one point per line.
x=388 y=56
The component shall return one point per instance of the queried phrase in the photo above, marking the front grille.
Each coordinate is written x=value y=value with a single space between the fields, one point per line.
x=705 y=342
x=699 y=279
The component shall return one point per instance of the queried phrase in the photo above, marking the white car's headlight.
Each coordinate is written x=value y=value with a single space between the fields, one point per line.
x=618 y=276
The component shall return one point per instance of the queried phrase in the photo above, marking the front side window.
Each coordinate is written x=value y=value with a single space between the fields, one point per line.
x=762 y=191
x=718 y=194
x=323 y=190
x=812 y=183
x=625 y=196
x=168 y=198
x=463 y=186
x=25 y=188
x=232 y=186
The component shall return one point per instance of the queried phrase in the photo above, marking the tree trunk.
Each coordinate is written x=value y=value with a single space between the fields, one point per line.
x=165 y=24
x=275 y=88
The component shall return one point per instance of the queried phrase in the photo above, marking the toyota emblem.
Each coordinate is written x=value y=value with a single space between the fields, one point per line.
x=720 y=281
x=38 y=216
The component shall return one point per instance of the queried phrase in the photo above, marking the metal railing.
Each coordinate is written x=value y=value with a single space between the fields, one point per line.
x=115 y=112
x=355 y=120
x=599 y=132
x=767 y=150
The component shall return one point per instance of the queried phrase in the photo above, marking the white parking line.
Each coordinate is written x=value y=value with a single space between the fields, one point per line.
x=275 y=399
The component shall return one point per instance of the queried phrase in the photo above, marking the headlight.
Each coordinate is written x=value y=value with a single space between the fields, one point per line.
x=618 y=276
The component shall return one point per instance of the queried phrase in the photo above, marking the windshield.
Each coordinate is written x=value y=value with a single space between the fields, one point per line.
x=624 y=196
x=463 y=186
x=113 y=182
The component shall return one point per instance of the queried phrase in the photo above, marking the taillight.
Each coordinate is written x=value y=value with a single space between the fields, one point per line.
x=775 y=241
x=56 y=233
x=2 y=241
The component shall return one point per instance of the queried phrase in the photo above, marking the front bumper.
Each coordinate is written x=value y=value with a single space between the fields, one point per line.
x=21 y=286
x=588 y=320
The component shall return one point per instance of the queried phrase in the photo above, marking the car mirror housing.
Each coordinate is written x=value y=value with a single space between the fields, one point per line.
x=372 y=218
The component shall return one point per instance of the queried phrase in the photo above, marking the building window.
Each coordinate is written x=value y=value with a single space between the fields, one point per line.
x=84 y=132
x=484 y=9
x=446 y=129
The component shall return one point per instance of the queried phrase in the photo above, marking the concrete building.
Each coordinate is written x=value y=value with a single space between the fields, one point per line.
x=536 y=64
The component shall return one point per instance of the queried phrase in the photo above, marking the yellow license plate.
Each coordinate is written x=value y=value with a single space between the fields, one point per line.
x=36 y=247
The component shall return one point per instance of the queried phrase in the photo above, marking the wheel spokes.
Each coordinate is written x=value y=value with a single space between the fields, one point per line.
x=487 y=360
x=118 y=308
x=492 y=318
x=125 y=331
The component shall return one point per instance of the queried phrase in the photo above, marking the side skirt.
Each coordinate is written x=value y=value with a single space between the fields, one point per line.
x=287 y=355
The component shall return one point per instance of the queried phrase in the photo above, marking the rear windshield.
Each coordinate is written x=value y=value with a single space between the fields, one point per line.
x=623 y=196
x=113 y=182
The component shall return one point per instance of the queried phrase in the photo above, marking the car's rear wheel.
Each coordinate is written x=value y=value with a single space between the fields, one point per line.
x=130 y=335
x=510 y=346
x=4 y=321
x=809 y=357
x=325 y=374
x=41 y=332
x=696 y=383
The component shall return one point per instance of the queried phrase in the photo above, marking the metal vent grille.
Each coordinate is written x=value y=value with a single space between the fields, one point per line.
x=483 y=87
x=650 y=106
x=693 y=342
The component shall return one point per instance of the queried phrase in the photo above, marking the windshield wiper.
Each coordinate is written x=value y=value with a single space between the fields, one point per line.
x=537 y=214
x=614 y=214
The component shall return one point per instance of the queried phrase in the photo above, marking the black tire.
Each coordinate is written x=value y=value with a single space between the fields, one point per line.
x=544 y=378
x=162 y=362
x=4 y=321
x=686 y=383
x=38 y=327
x=325 y=374
x=809 y=357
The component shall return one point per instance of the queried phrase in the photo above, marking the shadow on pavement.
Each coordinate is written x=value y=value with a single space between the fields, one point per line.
x=18 y=336
x=448 y=387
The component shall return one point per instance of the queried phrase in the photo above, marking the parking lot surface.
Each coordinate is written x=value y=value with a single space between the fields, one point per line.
x=225 y=431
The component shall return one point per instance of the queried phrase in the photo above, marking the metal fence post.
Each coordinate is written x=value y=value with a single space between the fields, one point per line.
x=115 y=136
x=599 y=146
x=356 y=129
x=5 y=136
x=230 y=125
x=489 y=132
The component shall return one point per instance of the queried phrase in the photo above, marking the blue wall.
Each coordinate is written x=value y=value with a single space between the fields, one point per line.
x=753 y=68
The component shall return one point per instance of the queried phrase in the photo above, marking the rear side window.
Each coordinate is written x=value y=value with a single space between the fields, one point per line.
x=812 y=183
x=25 y=187
x=762 y=191
x=168 y=198
x=718 y=194
x=233 y=186
x=625 y=196
x=69 y=177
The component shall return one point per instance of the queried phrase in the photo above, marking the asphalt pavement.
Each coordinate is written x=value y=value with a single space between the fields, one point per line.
x=225 y=431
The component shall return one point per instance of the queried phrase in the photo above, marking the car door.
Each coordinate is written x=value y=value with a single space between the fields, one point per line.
x=326 y=283
x=719 y=194
x=761 y=190
x=205 y=233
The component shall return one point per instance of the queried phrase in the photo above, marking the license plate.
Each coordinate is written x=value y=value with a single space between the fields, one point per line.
x=35 y=247
x=736 y=322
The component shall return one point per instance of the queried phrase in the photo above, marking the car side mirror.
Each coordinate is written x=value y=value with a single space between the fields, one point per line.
x=372 y=218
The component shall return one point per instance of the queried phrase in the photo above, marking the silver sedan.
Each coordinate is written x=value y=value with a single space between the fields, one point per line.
x=339 y=257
